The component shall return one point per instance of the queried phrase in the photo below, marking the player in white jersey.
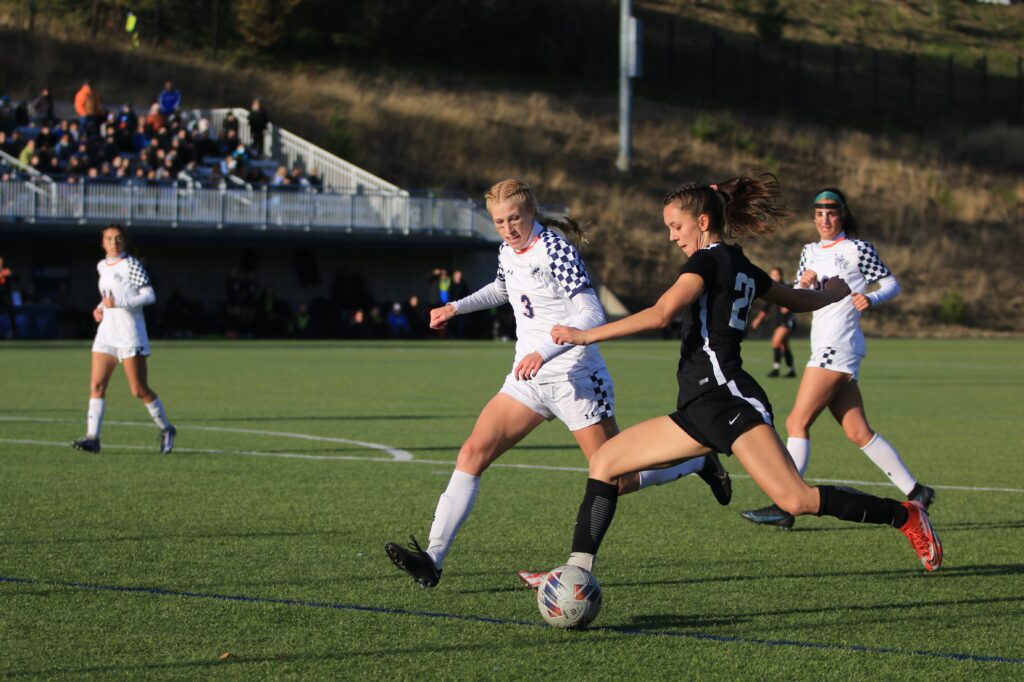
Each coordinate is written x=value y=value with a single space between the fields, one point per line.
x=121 y=338
x=837 y=349
x=542 y=276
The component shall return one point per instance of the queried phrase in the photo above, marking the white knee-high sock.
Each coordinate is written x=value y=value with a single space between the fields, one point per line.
x=94 y=422
x=800 y=451
x=156 y=411
x=452 y=511
x=885 y=457
x=673 y=473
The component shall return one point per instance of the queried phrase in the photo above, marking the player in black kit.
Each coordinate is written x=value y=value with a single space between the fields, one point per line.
x=721 y=407
x=783 y=324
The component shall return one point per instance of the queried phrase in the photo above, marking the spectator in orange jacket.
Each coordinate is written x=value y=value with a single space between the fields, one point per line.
x=89 y=107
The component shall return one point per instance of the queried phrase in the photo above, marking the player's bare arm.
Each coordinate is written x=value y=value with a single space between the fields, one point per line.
x=806 y=300
x=683 y=293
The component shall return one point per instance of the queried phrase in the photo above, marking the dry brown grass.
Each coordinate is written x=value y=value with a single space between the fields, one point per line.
x=941 y=220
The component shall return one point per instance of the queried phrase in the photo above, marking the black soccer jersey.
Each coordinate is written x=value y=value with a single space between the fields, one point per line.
x=714 y=325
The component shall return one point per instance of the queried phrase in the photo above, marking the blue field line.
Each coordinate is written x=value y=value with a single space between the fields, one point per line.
x=701 y=636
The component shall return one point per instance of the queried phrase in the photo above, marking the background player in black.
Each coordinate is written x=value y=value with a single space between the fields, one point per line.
x=783 y=323
x=720 y=406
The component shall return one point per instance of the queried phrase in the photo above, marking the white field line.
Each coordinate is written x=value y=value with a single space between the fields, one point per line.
x=396 y=455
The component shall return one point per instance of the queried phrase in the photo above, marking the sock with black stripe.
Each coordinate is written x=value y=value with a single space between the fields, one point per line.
x=595 y=516
x=853 y=505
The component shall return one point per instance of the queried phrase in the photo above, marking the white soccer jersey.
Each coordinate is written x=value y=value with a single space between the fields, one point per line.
x=540 y=280
x=123 y=326
x=858 y=263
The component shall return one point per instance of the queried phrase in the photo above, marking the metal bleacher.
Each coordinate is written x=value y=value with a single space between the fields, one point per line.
x=349 y=199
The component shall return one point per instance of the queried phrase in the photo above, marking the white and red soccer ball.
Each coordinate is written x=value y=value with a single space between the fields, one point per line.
x=569 y=598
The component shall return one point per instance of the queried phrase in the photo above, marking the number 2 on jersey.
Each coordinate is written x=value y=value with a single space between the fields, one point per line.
x=740 y=307
x=527 y=306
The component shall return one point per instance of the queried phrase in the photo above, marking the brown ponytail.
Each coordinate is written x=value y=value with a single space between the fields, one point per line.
x=736 y=207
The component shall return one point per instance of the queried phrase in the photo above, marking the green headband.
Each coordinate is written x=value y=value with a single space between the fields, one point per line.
x=829 y=195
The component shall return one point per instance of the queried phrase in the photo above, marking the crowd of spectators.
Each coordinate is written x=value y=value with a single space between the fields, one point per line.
x=351 y=311
x=250 y=309
x=166 y=144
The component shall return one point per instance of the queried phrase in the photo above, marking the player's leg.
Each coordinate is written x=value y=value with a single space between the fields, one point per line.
x=782 y=335
x=817 y=388
x=102 y=368
x=580 y=401
x=848 y=409
x=502 y=423
x=761 y=453
x=137 y=372
x=777 y=349
x=647 y=445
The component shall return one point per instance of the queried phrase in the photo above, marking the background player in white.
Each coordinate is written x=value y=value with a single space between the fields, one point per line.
x=837 y=349
x=121 y=337
x=541 y=274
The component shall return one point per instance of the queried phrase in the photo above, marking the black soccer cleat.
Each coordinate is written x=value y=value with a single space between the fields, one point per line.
x=771 y=515
x=87 y=444
x=167 y=440
x=717 y=478
x=414 y=561
x=774 y=373
x=923 y=494
x=791 y=374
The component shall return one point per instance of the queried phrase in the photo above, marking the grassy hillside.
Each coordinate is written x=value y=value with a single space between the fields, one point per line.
x=945 y=210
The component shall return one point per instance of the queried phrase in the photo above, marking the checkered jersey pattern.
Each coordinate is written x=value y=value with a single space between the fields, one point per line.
x=501 y=271
x=869 y=262
x=137 y=275
x=604 y=407
x=566 y=264
x=827 y=357
x=802 y=266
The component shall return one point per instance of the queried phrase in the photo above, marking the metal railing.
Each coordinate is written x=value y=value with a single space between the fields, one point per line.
x=292 y=150
x=184 y=206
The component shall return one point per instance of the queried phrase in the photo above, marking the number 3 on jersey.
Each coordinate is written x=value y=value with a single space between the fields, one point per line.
x=741 y=306
x=527 y=306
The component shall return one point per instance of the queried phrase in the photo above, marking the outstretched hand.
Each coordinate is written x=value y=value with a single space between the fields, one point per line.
x=439 y=316
x=860 y=302
x=561 y=334
x=836 y=288
x=529 y=366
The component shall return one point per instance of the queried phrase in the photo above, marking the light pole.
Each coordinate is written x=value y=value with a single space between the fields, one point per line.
x=630 y=31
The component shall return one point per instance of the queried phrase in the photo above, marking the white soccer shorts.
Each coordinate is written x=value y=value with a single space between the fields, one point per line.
x=121 y=353
x=578 y=402
x=836 y=360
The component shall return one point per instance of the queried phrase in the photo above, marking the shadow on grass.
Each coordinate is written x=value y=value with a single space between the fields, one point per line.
x=182 y=536
x=673 y=620
x=225 y=666
x=913 y=573
x=346 y=417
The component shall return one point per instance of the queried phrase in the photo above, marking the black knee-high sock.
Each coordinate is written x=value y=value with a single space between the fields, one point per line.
x=778 y=355
x=853 y=505
x=595 y=516
x=789 y=358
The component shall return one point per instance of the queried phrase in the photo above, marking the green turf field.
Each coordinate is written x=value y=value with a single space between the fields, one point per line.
x=262 y=535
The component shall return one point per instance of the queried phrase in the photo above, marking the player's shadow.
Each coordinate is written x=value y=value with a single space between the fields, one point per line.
x=234 y=663
x=979 y=525
x=661 y=621
x=700 y=620
x=333 y=418
x=942 y=528
x=253 y=535
x=948 y=572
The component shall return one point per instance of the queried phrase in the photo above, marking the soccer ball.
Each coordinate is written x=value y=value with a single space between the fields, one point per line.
x=569 y=597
